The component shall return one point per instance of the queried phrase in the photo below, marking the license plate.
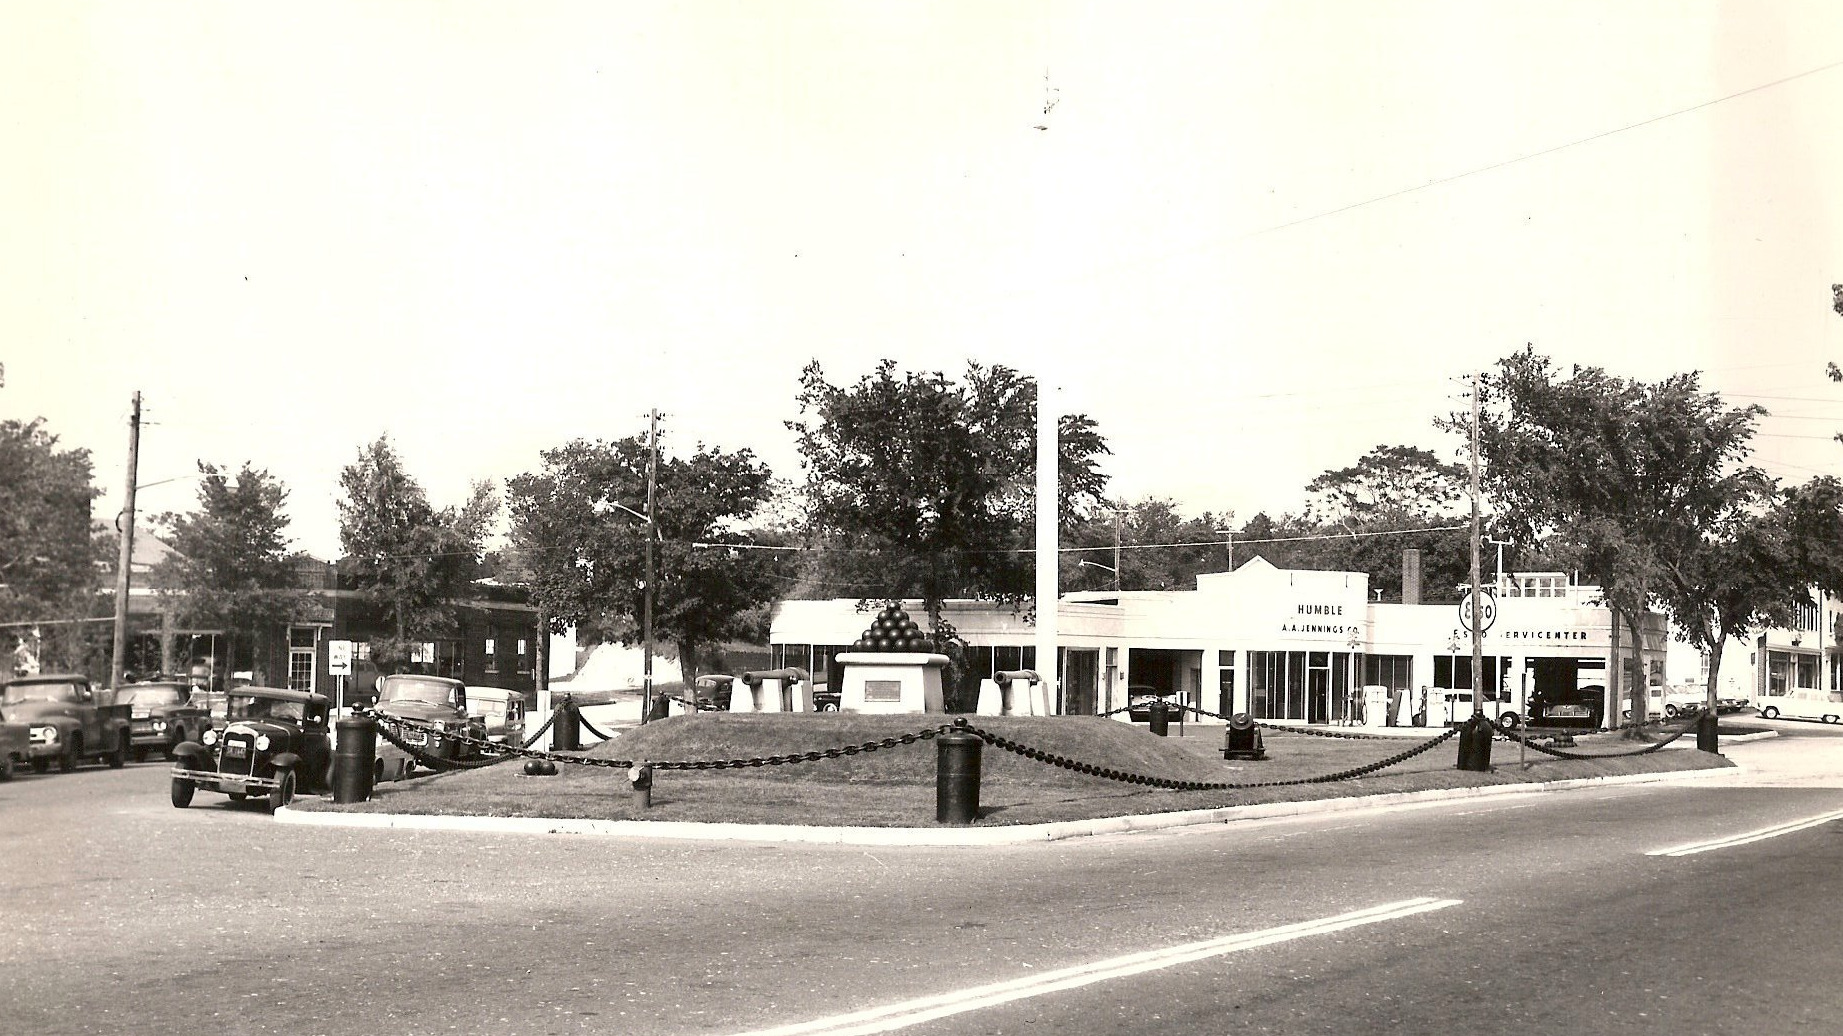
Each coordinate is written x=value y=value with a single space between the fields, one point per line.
x=417 y=738
x=236 y=751
x=1569 y=711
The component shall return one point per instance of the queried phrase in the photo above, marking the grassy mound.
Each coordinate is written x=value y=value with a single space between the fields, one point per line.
x=896 y=786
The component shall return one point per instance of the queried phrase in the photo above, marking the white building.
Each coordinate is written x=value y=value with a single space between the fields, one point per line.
x=1279 y=644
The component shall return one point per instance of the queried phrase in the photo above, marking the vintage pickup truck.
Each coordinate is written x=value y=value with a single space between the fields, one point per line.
x=67 y=721
x=13 y=746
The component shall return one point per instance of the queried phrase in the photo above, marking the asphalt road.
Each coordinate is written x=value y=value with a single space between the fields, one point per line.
x=1530 y=914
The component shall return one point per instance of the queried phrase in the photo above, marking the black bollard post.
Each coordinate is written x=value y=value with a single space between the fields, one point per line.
x=355 y=760
x=1708 y=732
x=567 y=731
x=956 y=776
x=1158 y=720
x=1475 y=744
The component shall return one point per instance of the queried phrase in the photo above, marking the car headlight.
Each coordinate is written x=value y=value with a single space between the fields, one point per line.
x=48 y=735
x=262 y=742
x=159 y=725
x=210 y=738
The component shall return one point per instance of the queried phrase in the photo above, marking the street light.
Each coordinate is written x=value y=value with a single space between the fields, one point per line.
x=1500 y=545
x=1104 y=568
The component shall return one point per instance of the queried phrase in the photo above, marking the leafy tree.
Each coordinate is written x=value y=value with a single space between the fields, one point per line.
x=1160 y=548
x=1753 y=565
x=48 y=554
x=1390 y=484
x=1621 y=475
x=410 y=560
x=924 y=487
x=585 y=556
x=230 y=565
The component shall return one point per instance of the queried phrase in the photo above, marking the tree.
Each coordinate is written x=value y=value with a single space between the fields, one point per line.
x=1160 y=548
x=585 y=555
x=409 y=560
x=48 y=554
x=1620 y=475
x=923 y=487
x=230 y=565
x=1754 y=565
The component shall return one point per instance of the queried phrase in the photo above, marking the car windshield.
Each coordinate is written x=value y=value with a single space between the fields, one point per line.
x=489 y=707
x=429 y=692
x=248 y=707
x=163 y=694
x=54 y=690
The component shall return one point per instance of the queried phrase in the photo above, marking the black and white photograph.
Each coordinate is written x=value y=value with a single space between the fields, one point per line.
x=825 y=518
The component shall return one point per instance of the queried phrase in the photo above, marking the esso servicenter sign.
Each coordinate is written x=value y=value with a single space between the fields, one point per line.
x=1487 y=607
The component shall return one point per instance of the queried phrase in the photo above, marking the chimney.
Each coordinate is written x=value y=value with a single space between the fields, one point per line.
x=1411 y=576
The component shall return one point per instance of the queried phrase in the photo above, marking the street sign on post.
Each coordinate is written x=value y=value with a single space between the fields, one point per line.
x=339 y=658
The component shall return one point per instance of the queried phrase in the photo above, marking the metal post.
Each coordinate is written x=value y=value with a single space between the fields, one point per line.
x=956 y=776
x=1158 y=721
x=355 y=760
x=565 y=734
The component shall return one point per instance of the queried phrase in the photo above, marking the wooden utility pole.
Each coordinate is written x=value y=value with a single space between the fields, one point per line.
x=1478 y=615
x=118 y=652
x=646 y=614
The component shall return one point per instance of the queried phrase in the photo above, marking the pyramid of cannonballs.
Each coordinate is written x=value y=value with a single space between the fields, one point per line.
x=893 y=630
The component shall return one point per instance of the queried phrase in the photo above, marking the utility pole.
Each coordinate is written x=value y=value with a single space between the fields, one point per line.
x=1475 y=738
x=646 y=614
x=1478 y=615
x=118 y=652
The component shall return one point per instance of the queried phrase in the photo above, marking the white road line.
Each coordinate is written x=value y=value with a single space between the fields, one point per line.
x=1751 y=836
x=914 y=1012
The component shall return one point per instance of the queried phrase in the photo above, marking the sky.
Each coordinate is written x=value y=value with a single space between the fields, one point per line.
x=1251 y=240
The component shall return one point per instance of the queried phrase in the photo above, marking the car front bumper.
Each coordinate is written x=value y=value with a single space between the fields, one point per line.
x=212 y=780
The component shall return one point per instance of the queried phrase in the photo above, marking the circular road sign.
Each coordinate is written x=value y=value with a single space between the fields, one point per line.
x=1487 y=606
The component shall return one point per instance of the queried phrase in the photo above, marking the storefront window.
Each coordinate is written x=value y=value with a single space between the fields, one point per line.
x=1807 y=672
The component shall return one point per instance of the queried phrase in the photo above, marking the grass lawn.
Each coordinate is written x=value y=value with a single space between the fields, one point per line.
x=895 y=787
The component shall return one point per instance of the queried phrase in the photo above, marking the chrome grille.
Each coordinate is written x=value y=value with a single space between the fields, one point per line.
x=237 y=753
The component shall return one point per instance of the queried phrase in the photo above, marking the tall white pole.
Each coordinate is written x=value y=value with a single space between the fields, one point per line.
x=1049 y=399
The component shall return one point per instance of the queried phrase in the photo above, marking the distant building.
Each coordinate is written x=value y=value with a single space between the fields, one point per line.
x=1279 y=644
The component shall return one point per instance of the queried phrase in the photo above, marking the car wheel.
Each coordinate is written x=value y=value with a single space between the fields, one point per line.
x=283 y=792
x=172 y=747
x=1830 y=719
x=6 y=768
x=119 y=757
x=239 y=796
x=1770 y=712
x=1671 y=712
x=830 y=706
x=1510 y=721
x=182 y=793
x=67 y=761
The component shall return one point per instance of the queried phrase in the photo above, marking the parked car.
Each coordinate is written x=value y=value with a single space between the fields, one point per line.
x=1580 y=710
x=162 y=713
x=1139 y=699
x=274 y=743
x=502 y=710
x=437 y=706
x=1799 y=706
x=67 y=720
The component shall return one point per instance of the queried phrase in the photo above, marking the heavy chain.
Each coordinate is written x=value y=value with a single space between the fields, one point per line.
x=1169 y=784
x=507 y=751
x=586 y=725
x=1559 y=754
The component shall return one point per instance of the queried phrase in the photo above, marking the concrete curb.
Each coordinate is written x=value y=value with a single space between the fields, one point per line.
x=1022 y=834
